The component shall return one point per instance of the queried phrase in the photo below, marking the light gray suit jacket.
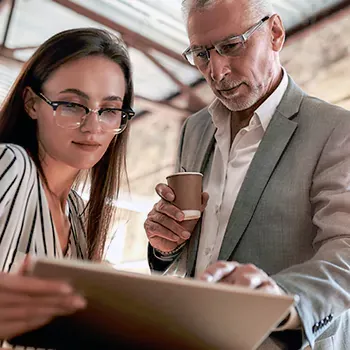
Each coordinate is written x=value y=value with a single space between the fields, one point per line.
x=292 y=214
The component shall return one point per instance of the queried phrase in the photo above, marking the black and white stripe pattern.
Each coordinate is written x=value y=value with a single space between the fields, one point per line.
x=26 y=225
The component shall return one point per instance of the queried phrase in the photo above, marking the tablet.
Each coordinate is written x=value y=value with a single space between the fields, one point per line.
x=129 y=310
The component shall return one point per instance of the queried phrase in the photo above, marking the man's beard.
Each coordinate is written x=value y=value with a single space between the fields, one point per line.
x=240 y=103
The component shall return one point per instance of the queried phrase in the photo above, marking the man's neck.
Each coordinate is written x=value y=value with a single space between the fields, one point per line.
x=240 y=119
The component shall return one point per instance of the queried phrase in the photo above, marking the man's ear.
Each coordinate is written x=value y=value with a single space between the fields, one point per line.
x=30 y=102
x=278 y=34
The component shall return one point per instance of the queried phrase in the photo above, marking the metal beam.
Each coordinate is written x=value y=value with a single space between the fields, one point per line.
x=8 y=54
x=129 y=36
x=153 y=104
x=195 y=103
x=14 y=49
x=8 y=24
x=320 y=20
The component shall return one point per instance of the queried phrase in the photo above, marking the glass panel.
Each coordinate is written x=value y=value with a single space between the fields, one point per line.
x=159 y=21
x=36 y=20
x=296 y=12
x=8 y=73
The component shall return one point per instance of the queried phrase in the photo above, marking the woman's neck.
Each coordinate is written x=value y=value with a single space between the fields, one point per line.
x=59 y=176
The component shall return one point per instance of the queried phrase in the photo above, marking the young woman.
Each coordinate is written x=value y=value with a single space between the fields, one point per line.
x=64 y=123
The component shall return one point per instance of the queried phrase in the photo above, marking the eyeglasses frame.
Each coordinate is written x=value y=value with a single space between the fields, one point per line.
x=55 y=104
x=242 y=37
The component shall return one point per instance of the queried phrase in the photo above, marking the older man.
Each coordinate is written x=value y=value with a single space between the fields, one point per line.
x=276 y=166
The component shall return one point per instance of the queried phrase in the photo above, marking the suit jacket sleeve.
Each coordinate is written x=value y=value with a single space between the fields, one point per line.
x=154 y=263
x=323 y=283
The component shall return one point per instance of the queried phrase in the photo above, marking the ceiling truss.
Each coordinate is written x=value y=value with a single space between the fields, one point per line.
x=146 y=46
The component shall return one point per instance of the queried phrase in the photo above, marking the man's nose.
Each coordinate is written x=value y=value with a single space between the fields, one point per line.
x=218 y=65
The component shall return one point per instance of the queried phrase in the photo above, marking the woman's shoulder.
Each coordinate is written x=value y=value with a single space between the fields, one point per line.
x=17 y=173
x=14 y=159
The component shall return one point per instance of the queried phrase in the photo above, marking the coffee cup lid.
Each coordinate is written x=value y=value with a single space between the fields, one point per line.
x=185 y=173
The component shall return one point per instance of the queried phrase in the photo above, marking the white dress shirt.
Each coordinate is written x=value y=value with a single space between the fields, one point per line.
x=229 y=167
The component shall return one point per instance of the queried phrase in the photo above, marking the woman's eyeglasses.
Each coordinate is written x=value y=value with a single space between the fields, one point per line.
x=71 y=115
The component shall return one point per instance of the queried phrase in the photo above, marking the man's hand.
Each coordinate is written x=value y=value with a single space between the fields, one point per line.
x=165 y=226
x=245 y=275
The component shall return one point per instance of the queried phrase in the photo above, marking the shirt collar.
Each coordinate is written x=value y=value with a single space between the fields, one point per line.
x=264 y=112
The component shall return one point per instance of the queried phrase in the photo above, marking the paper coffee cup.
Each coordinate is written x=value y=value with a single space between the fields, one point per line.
x=187 y=187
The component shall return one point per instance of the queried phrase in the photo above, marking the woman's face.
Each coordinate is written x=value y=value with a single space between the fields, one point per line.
x=95 y=82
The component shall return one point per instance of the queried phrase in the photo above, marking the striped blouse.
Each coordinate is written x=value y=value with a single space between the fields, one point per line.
x=26 y=224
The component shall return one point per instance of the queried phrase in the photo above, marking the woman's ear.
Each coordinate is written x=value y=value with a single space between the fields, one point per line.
x=30 y=101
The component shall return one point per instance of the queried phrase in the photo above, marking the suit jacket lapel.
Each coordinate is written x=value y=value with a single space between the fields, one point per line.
x=275 y=140
x=200 y=161
x=204 y=148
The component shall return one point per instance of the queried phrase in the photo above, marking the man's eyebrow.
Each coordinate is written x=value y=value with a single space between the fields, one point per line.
x=203 y=47
x=197 y=47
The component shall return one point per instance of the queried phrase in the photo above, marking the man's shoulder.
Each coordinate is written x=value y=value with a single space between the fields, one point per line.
x=199 y=120
x=322 y=111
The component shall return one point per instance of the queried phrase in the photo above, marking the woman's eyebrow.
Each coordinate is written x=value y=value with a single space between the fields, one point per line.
x=77 y=92
x=113 y=98
x=86 y=97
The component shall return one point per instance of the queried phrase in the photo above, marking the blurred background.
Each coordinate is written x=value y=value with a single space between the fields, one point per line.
x=168 y=90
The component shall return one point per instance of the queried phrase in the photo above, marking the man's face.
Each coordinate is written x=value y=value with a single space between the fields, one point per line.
x=239 y=82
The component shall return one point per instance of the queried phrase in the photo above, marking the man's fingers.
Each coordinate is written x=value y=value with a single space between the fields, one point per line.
x=244 y=275
x=250 y=280
x=271 y=287
x=165 y=192
x=205 y=198
x=158 y=222
x=154 y=229
x=169 y=210
x=218 y=271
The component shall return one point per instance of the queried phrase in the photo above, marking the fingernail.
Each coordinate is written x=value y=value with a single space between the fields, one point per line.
x=169 y=197
x=179 y=216
x=66 y=289
x=208 y=278
x=79 y=303
x=186 y=235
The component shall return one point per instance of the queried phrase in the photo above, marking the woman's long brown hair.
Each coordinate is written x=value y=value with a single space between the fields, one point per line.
x=18 y=128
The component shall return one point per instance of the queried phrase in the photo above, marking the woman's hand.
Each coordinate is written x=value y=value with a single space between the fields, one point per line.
x=27 y=303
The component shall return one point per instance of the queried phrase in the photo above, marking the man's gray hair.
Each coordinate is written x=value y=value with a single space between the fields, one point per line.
x=256 y=8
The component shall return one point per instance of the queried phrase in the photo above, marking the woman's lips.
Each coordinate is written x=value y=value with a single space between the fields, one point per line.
x=87 y=146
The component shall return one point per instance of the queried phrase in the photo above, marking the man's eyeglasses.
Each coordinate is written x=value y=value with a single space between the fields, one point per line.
x=232 y=46
x=71 y=115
